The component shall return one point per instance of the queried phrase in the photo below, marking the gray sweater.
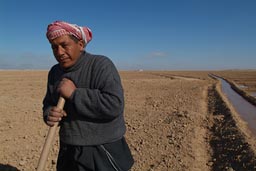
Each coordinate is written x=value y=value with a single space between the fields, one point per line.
x=95 y=109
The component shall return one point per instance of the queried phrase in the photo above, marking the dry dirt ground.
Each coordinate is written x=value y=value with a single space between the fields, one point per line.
x=173 y=124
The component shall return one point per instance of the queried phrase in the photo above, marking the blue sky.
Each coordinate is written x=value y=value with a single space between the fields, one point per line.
x=136 y=34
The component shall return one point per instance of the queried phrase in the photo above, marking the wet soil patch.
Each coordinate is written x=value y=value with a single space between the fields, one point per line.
x=230 y=151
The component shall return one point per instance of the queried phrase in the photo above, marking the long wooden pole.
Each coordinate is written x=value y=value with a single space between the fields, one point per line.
x=49 y=140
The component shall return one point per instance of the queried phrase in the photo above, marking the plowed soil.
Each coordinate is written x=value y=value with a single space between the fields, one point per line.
x=174 y=123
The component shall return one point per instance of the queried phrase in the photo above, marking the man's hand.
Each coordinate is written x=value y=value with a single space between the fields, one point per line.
x=55 y=116
x=66 y=88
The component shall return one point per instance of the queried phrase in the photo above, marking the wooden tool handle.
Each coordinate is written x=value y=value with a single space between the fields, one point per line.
x=49 y=140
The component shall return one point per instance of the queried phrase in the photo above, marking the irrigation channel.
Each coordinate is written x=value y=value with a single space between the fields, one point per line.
x=246 y=110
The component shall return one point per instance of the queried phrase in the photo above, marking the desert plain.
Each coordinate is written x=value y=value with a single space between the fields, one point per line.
x=176 y=121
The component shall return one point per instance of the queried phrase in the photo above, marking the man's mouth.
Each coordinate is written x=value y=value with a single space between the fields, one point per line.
x=63 y=60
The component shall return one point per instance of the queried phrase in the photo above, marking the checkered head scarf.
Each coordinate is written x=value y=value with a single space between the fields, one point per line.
x=60 y=28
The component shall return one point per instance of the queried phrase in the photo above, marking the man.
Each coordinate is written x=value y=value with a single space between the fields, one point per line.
x=92 y=125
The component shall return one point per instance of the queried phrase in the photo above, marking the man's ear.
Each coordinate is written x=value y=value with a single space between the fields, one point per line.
x=81 y=43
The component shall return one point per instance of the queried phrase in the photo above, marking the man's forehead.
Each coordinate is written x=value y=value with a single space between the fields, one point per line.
x=61 y=39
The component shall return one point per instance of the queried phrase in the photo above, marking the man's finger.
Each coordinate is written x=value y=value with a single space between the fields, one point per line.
x=55 y=109
x=54 y=119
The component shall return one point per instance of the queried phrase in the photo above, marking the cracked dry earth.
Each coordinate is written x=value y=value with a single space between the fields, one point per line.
x=170 y=123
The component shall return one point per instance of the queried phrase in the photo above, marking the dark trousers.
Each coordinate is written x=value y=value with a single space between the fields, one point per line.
x=115 y=156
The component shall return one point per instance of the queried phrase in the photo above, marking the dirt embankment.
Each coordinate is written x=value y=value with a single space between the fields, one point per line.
x=231 y=149
x=238 y=90
x=166 y=118
x=242 y=81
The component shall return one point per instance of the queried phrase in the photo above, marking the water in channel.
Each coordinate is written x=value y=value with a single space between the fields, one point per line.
x=246 y=110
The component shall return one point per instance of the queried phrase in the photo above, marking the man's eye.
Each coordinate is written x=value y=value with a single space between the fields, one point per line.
x=64 y=45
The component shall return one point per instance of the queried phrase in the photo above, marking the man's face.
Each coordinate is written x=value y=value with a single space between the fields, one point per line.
x=66 y=50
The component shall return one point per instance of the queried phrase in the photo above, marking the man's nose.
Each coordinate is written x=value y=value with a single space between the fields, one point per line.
x=59 y=51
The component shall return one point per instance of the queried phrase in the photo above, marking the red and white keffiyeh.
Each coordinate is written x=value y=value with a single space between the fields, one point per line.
x=60 y=28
